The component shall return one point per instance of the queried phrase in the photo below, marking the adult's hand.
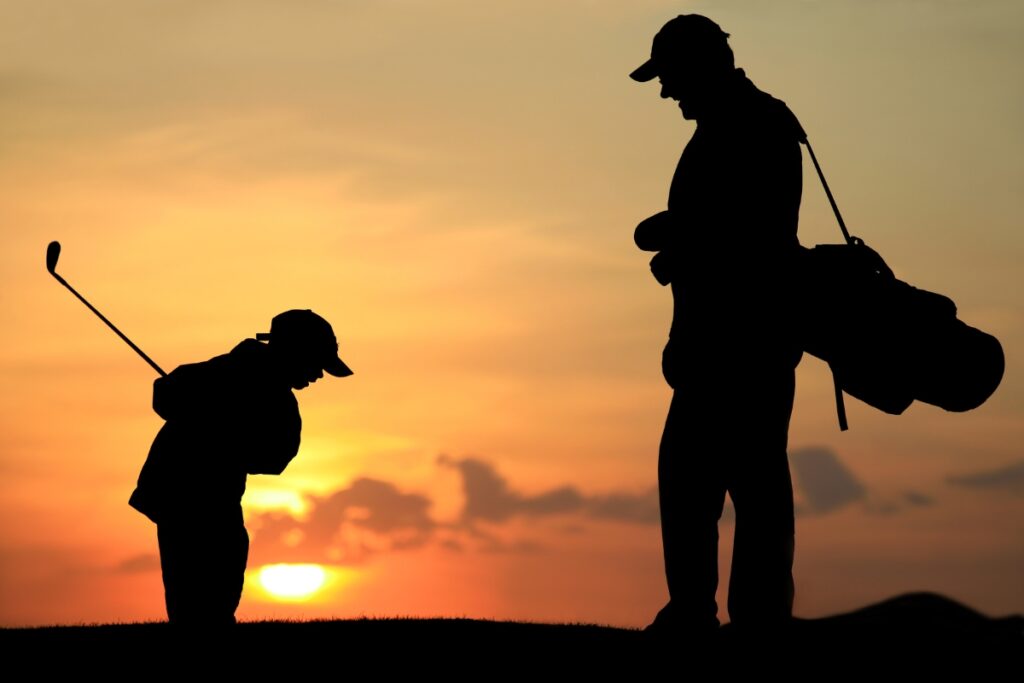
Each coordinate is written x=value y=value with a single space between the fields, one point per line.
x=653 y=233
x=662 y=266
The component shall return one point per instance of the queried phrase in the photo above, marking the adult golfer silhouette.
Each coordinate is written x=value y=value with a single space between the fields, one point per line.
x=726 y=244
x=227 y=417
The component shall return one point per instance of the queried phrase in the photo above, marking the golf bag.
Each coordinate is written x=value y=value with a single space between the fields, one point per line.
x=886 y=342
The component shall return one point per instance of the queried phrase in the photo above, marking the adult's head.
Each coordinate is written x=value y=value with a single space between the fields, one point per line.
x=304 y=347
x=691 y=58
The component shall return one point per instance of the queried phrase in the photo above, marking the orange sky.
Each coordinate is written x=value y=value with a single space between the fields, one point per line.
x=455 y=185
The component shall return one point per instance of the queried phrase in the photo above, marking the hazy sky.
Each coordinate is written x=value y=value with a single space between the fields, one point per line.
x=454 y=185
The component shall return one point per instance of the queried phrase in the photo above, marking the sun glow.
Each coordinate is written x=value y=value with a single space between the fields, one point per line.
x=292 y=581
x=265 y=499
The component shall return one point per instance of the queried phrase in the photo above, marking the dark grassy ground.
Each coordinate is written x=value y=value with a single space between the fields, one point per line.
x=919 y=632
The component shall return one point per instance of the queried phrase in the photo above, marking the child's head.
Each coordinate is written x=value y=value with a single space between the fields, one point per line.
x=305 y=347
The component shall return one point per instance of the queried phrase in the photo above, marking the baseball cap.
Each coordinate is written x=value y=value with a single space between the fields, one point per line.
x=684 y=36
x=304 y=329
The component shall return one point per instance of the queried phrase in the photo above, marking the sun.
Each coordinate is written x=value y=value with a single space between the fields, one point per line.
x=292 y=581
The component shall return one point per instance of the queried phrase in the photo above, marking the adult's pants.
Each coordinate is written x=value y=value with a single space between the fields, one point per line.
x=726 y=432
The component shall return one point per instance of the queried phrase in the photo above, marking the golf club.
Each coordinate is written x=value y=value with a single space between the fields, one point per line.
x=52 y=254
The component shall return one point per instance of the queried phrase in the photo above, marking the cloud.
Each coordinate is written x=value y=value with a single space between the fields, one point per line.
x=827 y=485
x=452 y=545
x=138 y=564
x=371 y=516
x=1009 y=479
x=368 y=517
x=489 y=498
x=918 y=499
x=519 y=547
x=625 y=507
x=387 y=508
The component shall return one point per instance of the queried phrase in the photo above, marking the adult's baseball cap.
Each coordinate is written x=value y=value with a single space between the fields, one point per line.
x=302 y=328
x=686 y=36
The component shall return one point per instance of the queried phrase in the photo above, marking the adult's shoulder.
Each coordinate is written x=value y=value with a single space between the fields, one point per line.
x=776 y=118
x=763 y=114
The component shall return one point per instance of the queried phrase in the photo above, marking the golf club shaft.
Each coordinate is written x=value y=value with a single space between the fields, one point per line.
x=110 y=325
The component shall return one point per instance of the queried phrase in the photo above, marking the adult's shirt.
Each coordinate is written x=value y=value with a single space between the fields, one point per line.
x=730 y=239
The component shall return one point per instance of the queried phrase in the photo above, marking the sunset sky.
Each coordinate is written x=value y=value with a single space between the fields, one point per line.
x=454 y=185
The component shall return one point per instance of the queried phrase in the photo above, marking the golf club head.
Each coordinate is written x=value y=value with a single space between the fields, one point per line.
x=52 y=254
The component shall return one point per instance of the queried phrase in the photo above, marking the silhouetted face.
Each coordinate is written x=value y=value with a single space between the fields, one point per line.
x=685 y=87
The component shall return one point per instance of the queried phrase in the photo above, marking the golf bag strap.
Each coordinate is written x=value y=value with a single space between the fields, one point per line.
x=840 y=403
x=828 y=193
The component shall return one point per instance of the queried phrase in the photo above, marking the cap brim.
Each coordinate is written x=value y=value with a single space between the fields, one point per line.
x=337 y=368
x=645 y=72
